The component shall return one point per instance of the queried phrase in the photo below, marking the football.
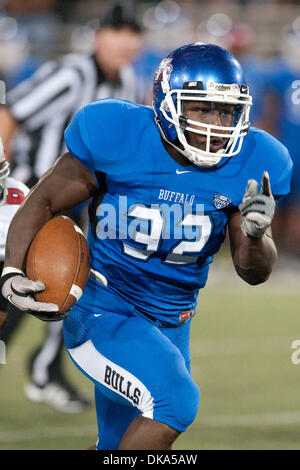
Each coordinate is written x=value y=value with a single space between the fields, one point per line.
x=59 y=257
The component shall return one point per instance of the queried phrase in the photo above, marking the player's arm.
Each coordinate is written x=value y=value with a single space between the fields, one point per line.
x=253 y=258
x=252 y=247
x=65 y=185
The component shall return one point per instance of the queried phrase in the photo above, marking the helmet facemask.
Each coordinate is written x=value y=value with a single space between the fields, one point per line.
x=172 y=109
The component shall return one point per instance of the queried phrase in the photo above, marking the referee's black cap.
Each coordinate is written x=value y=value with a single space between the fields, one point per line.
x=120 y=14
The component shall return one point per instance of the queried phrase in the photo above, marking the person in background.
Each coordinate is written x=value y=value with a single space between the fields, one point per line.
x=12 y=194
x=282 y=119
x=38 y=111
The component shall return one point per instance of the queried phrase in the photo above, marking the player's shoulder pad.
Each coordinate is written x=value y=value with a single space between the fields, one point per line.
x=265 y=141
x=271 y=155
x=116 y=133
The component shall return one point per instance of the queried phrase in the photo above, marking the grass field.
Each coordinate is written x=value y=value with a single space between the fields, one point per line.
x=241 y=350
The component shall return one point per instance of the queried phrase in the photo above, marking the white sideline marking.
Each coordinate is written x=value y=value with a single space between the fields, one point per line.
x=262 y=419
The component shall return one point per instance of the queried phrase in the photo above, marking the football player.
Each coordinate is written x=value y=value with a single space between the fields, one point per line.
x=12 y=194
x=166 y=184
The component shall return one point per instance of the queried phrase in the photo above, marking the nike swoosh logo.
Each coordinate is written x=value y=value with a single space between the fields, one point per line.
x=181 y=172
x=97 y=314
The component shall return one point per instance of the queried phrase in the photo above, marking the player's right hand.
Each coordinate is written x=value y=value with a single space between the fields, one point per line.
x=19 y=291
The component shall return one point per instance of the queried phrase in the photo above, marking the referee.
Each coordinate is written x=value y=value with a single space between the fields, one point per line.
x=39 y=109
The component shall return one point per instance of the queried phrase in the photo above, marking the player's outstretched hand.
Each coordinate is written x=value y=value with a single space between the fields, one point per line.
x=19 y=291
x=257 y=209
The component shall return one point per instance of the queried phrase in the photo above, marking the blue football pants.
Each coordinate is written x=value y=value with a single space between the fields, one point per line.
x=136 y=366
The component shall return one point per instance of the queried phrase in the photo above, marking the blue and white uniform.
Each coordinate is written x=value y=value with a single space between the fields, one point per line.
x=154 y=228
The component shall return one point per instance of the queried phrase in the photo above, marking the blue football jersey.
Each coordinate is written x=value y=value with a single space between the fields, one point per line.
x=154 y=224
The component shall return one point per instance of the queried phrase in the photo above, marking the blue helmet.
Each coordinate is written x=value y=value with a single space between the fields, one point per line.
x=201 y=72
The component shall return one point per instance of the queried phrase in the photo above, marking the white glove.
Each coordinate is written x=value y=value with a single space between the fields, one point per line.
x=19 y=290
x=257 y=209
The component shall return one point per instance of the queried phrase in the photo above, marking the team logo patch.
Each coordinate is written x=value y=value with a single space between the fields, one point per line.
x=221 y=201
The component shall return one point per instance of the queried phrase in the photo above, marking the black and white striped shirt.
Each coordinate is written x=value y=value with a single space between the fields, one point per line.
x=44 y=104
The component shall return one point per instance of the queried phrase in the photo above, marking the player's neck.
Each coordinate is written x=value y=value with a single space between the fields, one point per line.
x=183 y=161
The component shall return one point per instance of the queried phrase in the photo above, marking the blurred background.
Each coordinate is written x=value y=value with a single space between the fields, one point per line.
x=242 y=337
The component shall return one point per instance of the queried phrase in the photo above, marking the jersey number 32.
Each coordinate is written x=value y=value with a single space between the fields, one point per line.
x=154 y=227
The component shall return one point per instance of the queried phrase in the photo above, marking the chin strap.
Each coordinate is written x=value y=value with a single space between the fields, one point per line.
x=167 y=141
x=187 y=153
